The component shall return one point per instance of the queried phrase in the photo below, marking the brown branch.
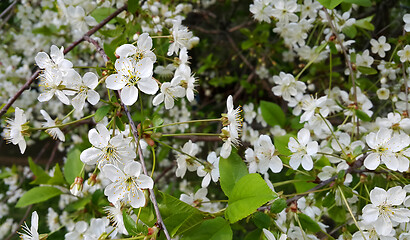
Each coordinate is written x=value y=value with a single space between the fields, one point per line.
x=9 y=8
x=66 y=50
x=231 y=41
x=199 y=138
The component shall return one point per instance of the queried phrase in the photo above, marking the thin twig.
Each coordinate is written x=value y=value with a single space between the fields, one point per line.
x=99 y=48
x=66 y=50
x=52 y=156
x=8 y=8
x=349 y=64
x=140 y=155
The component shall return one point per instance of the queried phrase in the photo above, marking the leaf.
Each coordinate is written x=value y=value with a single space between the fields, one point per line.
x=178 y=216
x=147 y=215
x=249 y=193
x=364 y=3
x=272 y=114
x=367 y=70
x=278 y=205
x=10 y=110
x=261 y=220
x=101 y=13
x=58 y=178
x=330 y=4
x=110 y=50
x=281 y=144
x=119 y=123
x=157 y=121
x=246 y=44
x=338 y=214
x=329 y=200
x=102 y=112
x=213 y=229
x=350 y=31
x=129 y=224
x=365 y=23
x=73 y=165
x=78 y=205
x=41 y=176
x=308 y=223
x=362 y=115
x=231 y=170
x=37 y=195
x=133 y=6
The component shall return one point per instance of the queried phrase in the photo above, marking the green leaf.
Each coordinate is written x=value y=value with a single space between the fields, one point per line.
x=129 y=224
x=119 y=123
x=261 y=220
x=101 y=13
x=367 y=70
x=157 y=121
x=178 y=216
x=133 y=6
x=78 y=205
x=37 y=195
x=362 y=115
x=5 y=174
x=48 y=30
x=278 y=205
x=330 y=4
x=308 y=223
x=58 y=178
x=350 y=31
x=110 y=50
x=213 y=229
x=338 y=214
x=333 y=48
x=281 y=144
x=41 y=176
x=272 y=114
x=256 y=234
x=246 y=44
x=147 y=215
x=102 y=112
x=231 y=170
x=73 y=165
x=365 y=23
x=249 y=193
x=364 y=3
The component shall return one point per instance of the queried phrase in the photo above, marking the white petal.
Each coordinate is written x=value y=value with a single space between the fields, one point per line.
x=93 y=97
x=90 y=80
x=115 y=82
x=129 y=95
x=148 y=85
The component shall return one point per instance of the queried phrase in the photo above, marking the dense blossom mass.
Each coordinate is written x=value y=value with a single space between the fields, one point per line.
x=138 y=116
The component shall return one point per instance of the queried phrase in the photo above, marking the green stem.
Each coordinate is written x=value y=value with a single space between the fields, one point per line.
x=300 y=226
x=63 y=125
x=287 y=182
x=297 y=170
x=180 y=151
x=190 y=134
x=191 y=121
x=333 y=134
x=68 y=114
x=350 y=211
x=309 y=63
x=153 y=161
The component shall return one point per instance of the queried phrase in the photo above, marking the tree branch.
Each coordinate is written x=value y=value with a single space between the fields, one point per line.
x=66 y=50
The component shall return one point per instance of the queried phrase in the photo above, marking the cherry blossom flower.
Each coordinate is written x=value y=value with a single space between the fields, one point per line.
x=284 y=10
x=287 y=86
x=85 y=90
x=55 y=133
x=127 y=185
x=169 y=91
x=78 y=20
x=385 y=145
x=380 y=46
x=130 y=74
x=78 y=232
x=404 y=54
x=116 y=150
x=187 y=162
x=233 y=117
x=382 y=211
x=230 y=138
x=269 y=235
x=31 y=233
x=54 y=62
x=114 y=213
x=265 y=153
x=16 y=129
x=406 y=20
x=210 y=170
x=139 y=52
x=198 y=200
x=181 y=37
x=302 y=150
x=54 y=84
x=262 y=11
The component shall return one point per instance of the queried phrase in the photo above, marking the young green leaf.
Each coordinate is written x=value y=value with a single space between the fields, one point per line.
x=102 y=112
x=73 y=165
x=213 y=229
x=308 y=224
x=41 y=176
x=231 y=170
x=37 y=195
x=249 y=193
x=129 y=224
x=278 y=205
x=330 y=4
x=272 y=114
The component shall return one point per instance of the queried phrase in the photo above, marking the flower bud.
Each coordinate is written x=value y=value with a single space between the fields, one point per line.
x=77 y=186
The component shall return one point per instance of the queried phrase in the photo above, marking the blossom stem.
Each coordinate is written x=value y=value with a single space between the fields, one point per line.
x=333 y=134
x=287 y=182
x=190 y=134
x=300 y=226
x=311 y=61
x=176 y=149
x=185 y=122
x=153 y=161
x=350 y=211
x=166 y=58
x=305 y=193
x=68 y=114
x=64 y=124
x=297 y=170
